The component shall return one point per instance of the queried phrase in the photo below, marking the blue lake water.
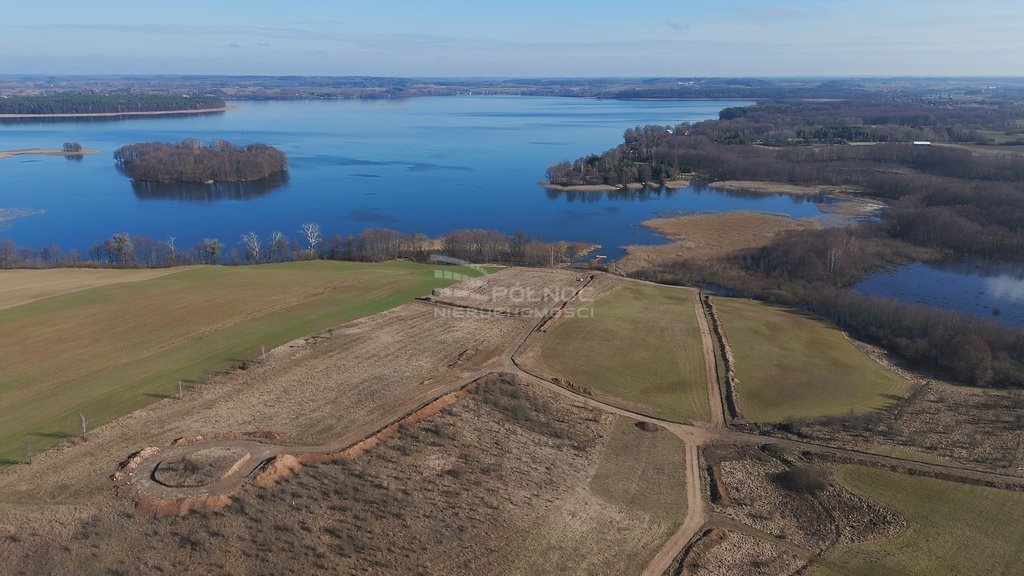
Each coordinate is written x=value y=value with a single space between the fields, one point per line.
x=421 y=165
x=994 y=291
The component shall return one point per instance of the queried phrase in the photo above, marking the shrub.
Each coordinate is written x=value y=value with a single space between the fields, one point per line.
x=806 y=479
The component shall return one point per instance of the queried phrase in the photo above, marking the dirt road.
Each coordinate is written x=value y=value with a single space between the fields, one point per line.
x=710 y=368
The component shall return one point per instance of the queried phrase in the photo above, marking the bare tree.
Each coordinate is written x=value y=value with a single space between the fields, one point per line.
x=85 y=423
x=253 y=245
x=170 y=246
x=278 y=246
x=311 y=232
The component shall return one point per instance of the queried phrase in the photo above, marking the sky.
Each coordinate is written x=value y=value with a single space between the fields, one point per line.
x=525 y=38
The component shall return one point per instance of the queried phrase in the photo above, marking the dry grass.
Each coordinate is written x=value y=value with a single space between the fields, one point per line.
x=707 y=236
x=509 y=480
x=939 y=422
x=19 y=287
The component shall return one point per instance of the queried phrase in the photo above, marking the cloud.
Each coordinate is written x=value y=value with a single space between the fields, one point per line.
x=234 y=45
x=676 y=26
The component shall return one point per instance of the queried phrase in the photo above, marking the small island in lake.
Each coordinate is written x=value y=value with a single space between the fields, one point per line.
x=192 y=161
x=70 y=150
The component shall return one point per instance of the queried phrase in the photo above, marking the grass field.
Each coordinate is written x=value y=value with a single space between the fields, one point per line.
x=641 y=350
x=792 y=365
x=643 y=471
x=951 y=529
x=111 y=349
x=19 y=287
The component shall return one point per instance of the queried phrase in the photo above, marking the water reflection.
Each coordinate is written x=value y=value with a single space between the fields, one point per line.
x=199 y=192
x=651 y=191
x=986 y=290
x=619 y=194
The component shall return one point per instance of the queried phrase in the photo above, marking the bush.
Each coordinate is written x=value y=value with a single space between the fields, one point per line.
x=805 y=479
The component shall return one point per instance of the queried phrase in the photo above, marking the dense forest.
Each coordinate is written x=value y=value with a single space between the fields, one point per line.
x=959 y=197
x=106 y=103
x=191 y=161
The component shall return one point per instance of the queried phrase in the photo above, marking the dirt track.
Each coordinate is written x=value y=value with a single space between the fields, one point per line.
x=710 y=366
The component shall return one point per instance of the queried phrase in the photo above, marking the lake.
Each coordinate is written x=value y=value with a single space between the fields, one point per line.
x=993 y=291
x=421 y=165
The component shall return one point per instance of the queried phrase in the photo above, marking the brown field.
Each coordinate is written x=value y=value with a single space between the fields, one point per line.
x=761 y=525
x=308 y=392
x=511 y=479
x=706 y=236
x=938 y=422
x=734 y=553
x=19 y=287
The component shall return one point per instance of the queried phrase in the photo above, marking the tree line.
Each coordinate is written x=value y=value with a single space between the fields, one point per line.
x=106 y=103
x=191 y=161
x=122 y=250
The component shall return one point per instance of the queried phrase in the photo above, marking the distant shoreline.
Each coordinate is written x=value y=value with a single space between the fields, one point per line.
x=43 y=151
x=113 y=114
x=673 y=184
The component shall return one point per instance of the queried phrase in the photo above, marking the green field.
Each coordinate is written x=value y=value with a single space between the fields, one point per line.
x=641 y=351
x=111 y=349
x=952 y=529
x=792 y=365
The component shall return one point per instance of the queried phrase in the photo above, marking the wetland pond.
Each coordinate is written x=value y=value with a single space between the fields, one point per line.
x=993 y=291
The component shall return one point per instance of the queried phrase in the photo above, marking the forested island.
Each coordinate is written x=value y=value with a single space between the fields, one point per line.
x=951 y=178
x=192 y=161
x=86 y=104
